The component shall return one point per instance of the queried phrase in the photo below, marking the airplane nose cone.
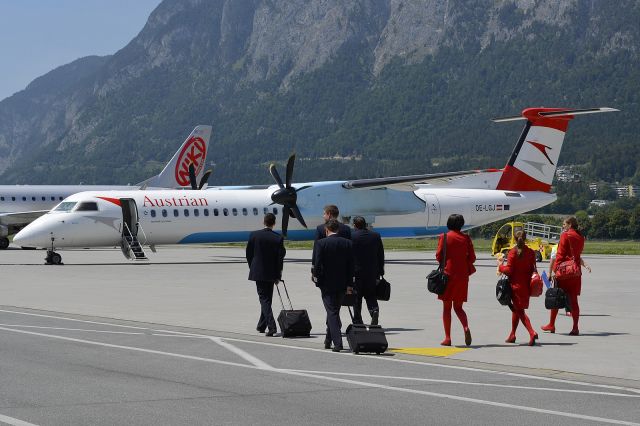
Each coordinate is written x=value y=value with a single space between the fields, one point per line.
x=32 y=236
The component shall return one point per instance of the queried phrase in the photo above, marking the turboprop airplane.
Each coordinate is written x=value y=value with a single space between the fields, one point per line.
x=402 y=206
x=22 y=204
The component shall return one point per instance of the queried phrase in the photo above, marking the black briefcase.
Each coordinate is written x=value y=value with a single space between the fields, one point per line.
x=293 y=322
x=555 y=298
x=366 y=338
x=383 y=289
x=503 y=291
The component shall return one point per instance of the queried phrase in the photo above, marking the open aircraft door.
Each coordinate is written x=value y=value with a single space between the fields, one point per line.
x=432 y=207
x=129 y=217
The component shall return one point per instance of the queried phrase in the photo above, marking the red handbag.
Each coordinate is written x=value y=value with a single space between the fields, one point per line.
x=536 y=285
x=567 y=269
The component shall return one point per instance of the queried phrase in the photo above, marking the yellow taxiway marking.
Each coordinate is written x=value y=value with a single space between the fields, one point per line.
x=443 y=351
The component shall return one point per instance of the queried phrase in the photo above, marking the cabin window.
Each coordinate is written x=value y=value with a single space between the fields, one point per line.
x=60 y=198
x=33 y=198
x=275 y=211
x=205 y=212
x=175 y=213
x=225 y=212
x=234 y=211
x=153 y=213
x=44 y=198
x=13 y=198
x=53 y=198
x=65 y=207
x=215 y=212
x=186 y=212
x=255 y=211
x=265 y=210
x=196 y=212
x=244 y=212
x=1 y=198
x=24 y=198
x=87 y=206
x=164 y=213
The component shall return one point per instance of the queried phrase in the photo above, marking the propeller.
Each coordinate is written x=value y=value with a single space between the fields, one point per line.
x=287 y=195
x=192 y=178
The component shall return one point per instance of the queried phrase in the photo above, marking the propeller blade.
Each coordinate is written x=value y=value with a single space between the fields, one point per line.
x=192 y=176
x=298 y=215
x=205 y=178
x=289 y=173
x=276 y=176
x=285 y=221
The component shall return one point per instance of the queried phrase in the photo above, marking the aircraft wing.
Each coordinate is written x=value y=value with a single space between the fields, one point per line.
x=20 y=218
x=407 y=183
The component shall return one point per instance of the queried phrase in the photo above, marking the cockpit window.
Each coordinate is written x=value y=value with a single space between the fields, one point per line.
x=65 y=206
x=87 y=206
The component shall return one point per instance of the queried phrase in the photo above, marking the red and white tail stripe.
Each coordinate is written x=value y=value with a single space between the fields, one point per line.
x=533 y=162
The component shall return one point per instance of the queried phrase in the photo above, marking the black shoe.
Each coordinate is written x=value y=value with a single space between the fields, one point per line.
x=270 y=333
x=260 y=330
x=327 y=343
x=337 y=349
x=374 y=317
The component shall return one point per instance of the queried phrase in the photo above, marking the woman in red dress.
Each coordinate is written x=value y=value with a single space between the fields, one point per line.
x=458 y=266
x=521 y=263
x=571 y=245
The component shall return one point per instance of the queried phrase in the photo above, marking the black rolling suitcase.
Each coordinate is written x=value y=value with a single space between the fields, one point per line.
x=293 y=322
x=366 y=338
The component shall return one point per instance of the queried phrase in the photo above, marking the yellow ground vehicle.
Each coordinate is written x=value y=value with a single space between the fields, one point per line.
x=540 y=237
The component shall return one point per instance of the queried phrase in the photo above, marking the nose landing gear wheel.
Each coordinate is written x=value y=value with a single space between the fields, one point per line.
x=53 y=258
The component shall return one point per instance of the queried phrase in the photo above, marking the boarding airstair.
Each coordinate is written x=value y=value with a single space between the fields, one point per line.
x=130 y=245
x=549 y=233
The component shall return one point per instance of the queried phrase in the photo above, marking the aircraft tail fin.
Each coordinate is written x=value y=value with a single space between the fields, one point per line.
x=192 y=151
x=533 y=162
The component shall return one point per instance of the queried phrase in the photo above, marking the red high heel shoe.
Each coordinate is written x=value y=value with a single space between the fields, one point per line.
x=532 y=340
x=549 y=327
x=511 y=338
x=446 y=342
x=574 y=332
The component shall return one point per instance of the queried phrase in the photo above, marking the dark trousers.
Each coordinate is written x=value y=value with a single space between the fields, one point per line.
x=366 y=291
x=331 y=301
x=265 y=296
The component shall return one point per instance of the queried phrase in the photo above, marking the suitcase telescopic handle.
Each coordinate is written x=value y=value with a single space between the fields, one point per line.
x=286 y=292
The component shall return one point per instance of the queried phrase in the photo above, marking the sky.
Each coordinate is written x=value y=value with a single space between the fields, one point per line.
x=37 y=36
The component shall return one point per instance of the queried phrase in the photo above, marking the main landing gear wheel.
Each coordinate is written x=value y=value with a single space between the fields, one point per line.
x=53 y=258
x=4 y=243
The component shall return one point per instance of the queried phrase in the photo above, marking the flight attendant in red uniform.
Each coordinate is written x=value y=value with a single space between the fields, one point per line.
x=571 y=245
x=459 y=265
x=521 y=263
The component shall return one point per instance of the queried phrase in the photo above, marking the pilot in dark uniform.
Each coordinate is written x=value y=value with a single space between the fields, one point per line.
x=368 y=262
x=331 y=212
x=333 y=274
x=265 y=255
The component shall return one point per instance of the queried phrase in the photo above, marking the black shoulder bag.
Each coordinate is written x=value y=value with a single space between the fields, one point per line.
x=437 y=279
x=503 y=291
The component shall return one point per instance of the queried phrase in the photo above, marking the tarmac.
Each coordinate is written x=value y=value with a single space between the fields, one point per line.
x=206 y=288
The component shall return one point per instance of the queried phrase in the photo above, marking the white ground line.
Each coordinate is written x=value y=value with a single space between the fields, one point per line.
x=14 y=422
x=403 y=361
x=336 y=379
x=74 y=329
x=242 y=354
x=458 y=382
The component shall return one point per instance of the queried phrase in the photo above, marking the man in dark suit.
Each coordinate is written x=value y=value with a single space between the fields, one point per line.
x=333 y=274
x=265 y=255
x=368 y=263
x=331 y=212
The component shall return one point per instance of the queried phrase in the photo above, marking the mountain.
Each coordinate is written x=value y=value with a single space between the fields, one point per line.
x=356 y=89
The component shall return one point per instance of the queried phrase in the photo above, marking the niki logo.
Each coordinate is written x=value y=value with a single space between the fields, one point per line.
x=194 y=152
x=543 y=149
